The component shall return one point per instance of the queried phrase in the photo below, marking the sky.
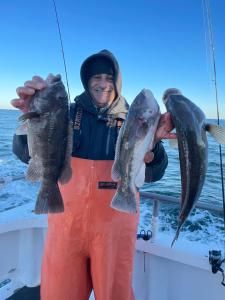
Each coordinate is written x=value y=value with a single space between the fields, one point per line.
x=159 y=44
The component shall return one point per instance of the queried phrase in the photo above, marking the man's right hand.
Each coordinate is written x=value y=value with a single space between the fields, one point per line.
x=26 y=92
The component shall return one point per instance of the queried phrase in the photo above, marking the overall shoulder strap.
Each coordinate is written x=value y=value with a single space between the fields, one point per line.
x=76 y=117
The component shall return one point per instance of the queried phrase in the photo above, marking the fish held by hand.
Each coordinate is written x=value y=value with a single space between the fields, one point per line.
x=136 y=138
x=49 y=134
x=191 y=127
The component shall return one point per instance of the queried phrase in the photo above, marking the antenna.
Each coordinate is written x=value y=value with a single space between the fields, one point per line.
x=62 y=49
x=212 y=48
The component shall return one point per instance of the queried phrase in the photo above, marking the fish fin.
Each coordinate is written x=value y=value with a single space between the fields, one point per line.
x=67 y=170
x=66 y=174
x=49 y=198
x=173 y=143
x=217 y=131
x=116 y=172
x=140 y=178
x=34 y=170
x=22 y=129
x=124 y=202
x=29 y=115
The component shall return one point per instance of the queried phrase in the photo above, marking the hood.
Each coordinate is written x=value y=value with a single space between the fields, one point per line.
x=119 y=105
x=109 y=56
x=118 y=108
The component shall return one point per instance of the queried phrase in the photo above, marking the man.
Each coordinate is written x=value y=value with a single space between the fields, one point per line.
x=90 y=245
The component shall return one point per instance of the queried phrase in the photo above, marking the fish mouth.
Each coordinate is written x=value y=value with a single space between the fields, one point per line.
x=142 y=119
x=143 y=123
x=51 y=79
x=169 y=92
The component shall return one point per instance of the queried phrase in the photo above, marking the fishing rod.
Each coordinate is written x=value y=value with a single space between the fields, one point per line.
x=62 y=48
x=215 y=258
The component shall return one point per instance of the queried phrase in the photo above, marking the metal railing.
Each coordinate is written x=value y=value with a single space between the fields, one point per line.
x=171 y=199
x=157 y=199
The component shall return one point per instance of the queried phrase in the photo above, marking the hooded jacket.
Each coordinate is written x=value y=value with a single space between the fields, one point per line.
x=99 y=127
x=96 y=130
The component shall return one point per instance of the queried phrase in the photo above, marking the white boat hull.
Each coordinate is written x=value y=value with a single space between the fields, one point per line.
x=160 y=273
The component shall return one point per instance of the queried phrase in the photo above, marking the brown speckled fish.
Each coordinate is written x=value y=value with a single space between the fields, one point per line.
x=191 y=127
x=49 y=143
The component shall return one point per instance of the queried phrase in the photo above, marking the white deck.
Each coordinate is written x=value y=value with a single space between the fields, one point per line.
x=160 y=273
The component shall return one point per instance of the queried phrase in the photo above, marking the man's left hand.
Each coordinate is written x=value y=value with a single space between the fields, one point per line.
x=163 y=131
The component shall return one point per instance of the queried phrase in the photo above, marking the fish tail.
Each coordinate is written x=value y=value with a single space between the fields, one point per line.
x=124 y=202
x=176 y=235
x=49 y=198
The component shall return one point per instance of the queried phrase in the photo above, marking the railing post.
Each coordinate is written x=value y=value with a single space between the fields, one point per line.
x=154 y=222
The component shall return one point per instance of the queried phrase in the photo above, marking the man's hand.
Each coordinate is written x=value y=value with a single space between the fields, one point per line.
x=26 y=92
x=164 y=129
x=149 y=156
x=163 y=132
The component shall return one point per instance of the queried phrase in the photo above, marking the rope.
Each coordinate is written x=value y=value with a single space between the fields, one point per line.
x=62 y=49
x=211 y=41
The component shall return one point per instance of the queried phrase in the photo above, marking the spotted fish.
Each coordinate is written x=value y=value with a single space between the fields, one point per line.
x=136 y=137
x=191 y=126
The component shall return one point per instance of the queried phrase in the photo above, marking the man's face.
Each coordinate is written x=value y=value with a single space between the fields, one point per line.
x=101 y=89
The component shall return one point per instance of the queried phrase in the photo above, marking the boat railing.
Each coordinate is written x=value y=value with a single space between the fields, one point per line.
x=157 y=199
x=146 y=194
x=165 y=199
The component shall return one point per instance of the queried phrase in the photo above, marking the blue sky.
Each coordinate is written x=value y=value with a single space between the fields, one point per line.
x=158 y=43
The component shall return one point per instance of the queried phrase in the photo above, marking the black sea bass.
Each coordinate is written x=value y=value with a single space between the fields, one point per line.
x=49 y=142
x=191 y=127
x=136 y=137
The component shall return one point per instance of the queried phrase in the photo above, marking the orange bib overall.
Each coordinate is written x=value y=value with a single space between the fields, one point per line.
x=90 y=245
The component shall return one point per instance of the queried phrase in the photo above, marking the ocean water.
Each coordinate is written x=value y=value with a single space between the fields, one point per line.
x=201 y=225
